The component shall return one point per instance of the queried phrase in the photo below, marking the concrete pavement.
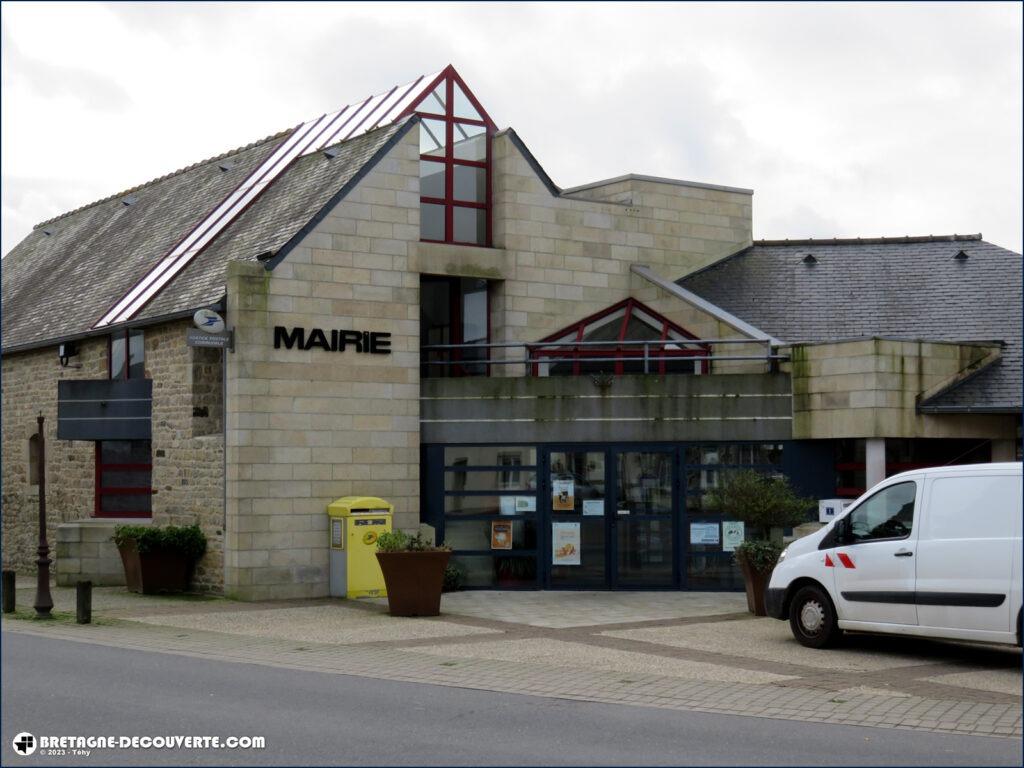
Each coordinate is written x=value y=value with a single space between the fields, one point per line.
x=680 y=651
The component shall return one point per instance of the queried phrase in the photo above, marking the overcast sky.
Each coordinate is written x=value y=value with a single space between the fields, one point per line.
x=859 y=120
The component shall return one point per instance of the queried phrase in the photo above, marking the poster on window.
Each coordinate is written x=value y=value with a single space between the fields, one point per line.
x=563 y=497
x=593 y=507
x=704 y=533
x=507 y=505
x=732 y=535
x=526 y=504
x=501 y=534
x=565 y=543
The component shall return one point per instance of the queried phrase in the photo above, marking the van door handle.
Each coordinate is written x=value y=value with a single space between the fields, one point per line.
x=903 y=553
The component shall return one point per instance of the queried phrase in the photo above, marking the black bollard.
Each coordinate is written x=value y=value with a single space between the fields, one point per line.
x=83 y=602
x=7 y=590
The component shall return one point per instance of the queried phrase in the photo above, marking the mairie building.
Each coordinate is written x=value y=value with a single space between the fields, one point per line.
x=415 y=310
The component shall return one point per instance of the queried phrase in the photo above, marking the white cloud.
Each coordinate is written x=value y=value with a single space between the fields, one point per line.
x=862 y=119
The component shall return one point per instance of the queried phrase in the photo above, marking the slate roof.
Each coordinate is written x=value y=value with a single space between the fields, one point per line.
x=897 y=287
x=57 y=285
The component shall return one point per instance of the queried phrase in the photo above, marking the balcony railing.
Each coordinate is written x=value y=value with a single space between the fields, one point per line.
x=539 y=357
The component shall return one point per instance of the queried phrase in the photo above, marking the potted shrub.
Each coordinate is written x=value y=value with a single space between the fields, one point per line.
x=159 y=559
x=766 y=505
x=413 y=573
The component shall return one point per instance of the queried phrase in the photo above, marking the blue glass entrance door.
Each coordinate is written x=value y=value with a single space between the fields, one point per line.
x=579 y=537
x=643 y=519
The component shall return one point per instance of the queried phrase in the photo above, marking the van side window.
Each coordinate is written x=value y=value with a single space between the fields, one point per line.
x=972 y=507
x=889 y=514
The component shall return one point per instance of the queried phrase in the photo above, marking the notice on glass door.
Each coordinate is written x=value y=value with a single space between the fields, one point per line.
x=565 y=543
x=563 y=497
x=704 y=533
x=501 y=534
x=593 y=507
x=732 y=535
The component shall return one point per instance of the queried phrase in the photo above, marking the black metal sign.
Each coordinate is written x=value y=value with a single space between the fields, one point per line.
x=105 y=409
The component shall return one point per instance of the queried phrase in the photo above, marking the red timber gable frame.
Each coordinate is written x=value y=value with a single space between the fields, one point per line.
x=661 y=353
x=449 y=106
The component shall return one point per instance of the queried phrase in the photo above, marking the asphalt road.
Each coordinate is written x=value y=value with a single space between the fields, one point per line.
x=56 y=687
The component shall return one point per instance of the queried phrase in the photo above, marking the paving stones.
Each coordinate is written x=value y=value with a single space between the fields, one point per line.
x=665 y=650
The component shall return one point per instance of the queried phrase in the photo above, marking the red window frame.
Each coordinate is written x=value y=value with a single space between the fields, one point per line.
x=659 y=354
x=120 y=490
x=450 y=77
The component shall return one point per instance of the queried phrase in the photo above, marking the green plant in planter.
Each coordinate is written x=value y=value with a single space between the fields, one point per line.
x=398 y=541
x=414 y=573
x=188 y=540
x=766 y=505
x=159 y=559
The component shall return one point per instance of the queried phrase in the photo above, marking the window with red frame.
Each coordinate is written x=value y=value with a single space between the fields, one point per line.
x=669 y=348
x=124 y=478
x=124 y=468
x=455 y=164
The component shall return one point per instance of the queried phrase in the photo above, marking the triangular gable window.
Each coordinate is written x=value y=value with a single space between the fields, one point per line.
x=628 y=337
x=455 y=163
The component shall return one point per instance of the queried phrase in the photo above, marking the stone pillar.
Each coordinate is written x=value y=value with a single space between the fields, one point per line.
x=1004 y=450
x=874 y=458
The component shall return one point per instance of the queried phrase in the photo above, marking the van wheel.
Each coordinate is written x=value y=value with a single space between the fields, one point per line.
x=813 y=618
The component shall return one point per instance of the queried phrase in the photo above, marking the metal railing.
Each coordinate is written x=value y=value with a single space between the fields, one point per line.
x=650 y=353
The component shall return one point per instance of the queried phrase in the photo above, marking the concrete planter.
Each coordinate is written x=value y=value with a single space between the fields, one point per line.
x=414 y=581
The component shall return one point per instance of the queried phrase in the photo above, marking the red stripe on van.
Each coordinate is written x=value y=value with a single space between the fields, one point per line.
x=845 y=559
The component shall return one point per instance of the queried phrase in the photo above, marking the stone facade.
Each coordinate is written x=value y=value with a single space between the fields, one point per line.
x=187 y=469
x=868 y=388
x=307 y=427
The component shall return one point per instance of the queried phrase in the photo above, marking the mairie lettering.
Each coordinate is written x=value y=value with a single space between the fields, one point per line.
x=365 y=342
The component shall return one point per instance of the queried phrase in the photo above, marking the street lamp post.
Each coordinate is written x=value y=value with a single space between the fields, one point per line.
x=44 y=601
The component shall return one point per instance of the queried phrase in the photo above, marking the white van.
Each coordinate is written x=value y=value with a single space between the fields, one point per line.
x=932 y=552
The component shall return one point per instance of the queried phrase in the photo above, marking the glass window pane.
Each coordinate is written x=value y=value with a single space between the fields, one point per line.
x=125 y=452
x=431 y=179
x=502 y=571
x=476 y=534
x=490 y=480
x=645 y=483
x=889 y=514
x=470 y=142
x=490 y=505
x=606 y=328
x=470 y=225
x=591 y=570
x=433 y=137
x=713 y=572
x=462 y=106
x=576 y=478
x=490 y=456
x=435 y=101
x=474 y=310
x=124 y=503
x=125 y=478
x=431 y=221
x=645 y=551
x=118 y=356
x=136 y=355
x=470 y=183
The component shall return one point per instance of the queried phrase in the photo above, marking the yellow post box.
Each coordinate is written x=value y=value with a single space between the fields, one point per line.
x=355 y=522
